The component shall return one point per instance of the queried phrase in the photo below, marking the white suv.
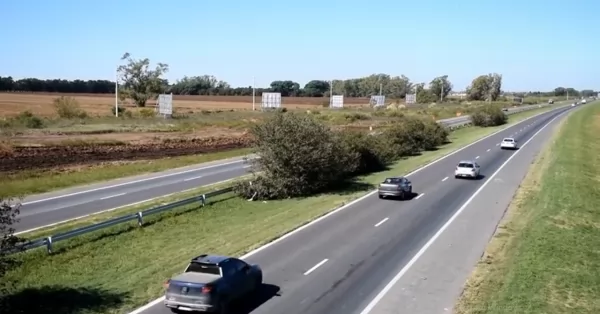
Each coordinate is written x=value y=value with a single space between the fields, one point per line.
x=509 y=143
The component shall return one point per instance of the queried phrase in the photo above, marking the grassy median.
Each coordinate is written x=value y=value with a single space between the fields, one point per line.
x=545 y=255
x=121 y=268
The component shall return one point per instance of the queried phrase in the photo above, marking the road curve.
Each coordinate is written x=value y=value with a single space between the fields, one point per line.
x=339 y=264
x=55 y=207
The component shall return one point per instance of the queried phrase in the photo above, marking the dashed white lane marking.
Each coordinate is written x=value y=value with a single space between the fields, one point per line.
x=315 y=267
x=193 y=178
x=489 y=149
x=498 y=144
x=444 y=179
x=420 y=195
x=381 y=222
x=111 y=196
x=477 y=157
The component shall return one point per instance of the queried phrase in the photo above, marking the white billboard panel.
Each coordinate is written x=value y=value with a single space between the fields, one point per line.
x=377 y=101
x=271 y=100
x=336 y=101
x=411 y=98
x=165 y=104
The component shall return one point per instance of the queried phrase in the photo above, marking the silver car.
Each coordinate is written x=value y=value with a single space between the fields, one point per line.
x=211 y=283
x=395 y=187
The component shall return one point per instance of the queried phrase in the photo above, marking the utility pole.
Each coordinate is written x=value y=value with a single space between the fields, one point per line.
x=331 y=93
x=117 y=93
x=253 y=93
x=380 y=88
x=442 y=93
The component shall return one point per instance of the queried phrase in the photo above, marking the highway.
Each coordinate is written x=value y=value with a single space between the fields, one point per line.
x=343 y=261
x=56 y=207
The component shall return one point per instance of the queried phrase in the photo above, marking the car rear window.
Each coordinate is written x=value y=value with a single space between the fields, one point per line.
x=508 y=139
x=465 y=165
x=203 y=268
x=392 y=180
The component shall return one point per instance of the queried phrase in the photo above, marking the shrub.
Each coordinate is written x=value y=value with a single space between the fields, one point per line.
x=68 y=108
x=298 y=156
x=412 y=135
x=29 y=120
x=120 y=110
x=489 y=115
x=149 y=113
x=374 y=152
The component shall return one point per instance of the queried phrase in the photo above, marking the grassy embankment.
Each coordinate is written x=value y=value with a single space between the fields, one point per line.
x=545 y=256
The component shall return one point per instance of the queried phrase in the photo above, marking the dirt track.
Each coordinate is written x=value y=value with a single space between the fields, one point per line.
x=29 y=158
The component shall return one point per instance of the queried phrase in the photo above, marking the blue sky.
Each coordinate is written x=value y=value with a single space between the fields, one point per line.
x=536 y=45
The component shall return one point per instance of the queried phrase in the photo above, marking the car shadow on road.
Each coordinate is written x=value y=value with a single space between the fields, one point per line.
x=256 y=299
x=60 y=300
x=408 y=197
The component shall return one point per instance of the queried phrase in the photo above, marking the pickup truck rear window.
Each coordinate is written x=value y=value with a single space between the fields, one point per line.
x=203 y=268
x=465 y=165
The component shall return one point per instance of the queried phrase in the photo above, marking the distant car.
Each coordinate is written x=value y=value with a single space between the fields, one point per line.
x=211 y=283
x=395 y=187
x=467 y=169
x=551 y=101
x=573 y=104
x=504 y=109
x=583 y=101
x=508 y=143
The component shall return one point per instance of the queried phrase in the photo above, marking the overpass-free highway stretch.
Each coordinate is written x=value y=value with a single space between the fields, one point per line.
x=56 y=207
x=388 y=256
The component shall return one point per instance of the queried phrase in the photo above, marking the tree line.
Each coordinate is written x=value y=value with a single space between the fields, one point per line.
x=139 y=82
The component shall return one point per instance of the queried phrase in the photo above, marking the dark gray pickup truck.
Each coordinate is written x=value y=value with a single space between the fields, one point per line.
x=212 y=283
x=395 y=187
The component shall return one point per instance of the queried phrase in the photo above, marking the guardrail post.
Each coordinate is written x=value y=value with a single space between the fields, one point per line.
x=49 y=244
x=203 y=199
x=140 y=218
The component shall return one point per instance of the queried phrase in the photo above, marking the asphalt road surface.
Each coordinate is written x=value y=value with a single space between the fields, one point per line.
x=338 y=265
x=51 y=208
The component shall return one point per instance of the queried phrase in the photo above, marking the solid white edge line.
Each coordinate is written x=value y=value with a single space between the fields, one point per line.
x=381 y=222
x=413 y=260
x=111 y=196
x=131 y=182
x=115 y=208
x=293 y=232
x=315 y=267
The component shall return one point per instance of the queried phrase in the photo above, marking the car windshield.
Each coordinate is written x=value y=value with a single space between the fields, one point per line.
x=465 y=165
x=203 y=268
x=392 y=181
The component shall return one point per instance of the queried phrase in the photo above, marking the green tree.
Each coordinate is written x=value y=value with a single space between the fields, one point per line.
x=9 y=243
x=286 y=88
x=316 y=88
x=440 y=87
x=141 y=83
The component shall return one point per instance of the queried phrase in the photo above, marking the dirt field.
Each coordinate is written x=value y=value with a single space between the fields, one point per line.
x=100 y=104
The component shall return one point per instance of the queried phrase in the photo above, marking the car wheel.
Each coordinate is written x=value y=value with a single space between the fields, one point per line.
x=380 y=196
x=175 y=311
x=258 y=283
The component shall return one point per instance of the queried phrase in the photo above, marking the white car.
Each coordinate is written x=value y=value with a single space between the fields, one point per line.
x=508 y=143
x=467 y=169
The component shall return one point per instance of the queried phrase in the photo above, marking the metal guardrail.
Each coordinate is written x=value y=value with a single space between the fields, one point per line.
x=139 y=216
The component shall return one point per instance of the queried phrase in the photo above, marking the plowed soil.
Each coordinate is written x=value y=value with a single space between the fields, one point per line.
x=30 y=158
